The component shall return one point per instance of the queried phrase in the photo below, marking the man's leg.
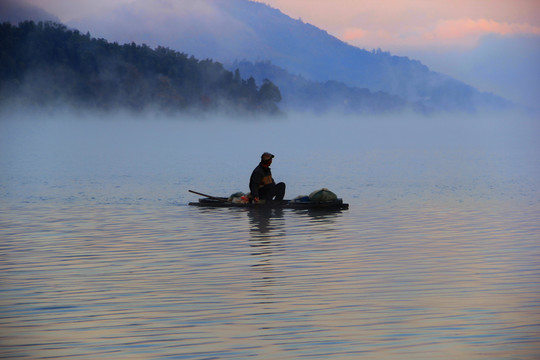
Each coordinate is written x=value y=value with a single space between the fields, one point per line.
x=279 y=191
x=267 y=192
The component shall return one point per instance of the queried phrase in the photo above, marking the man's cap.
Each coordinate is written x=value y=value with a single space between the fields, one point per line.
x=266 y=156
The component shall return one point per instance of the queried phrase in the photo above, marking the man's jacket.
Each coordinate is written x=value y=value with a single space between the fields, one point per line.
x=260 y=177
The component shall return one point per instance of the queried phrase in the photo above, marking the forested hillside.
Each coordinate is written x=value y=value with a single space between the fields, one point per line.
x=300 y=93
x=47 y=63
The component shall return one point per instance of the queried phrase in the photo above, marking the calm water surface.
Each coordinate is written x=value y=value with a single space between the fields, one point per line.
x=437 y=257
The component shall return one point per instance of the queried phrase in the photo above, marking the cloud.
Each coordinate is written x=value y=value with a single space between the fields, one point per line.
x=456 y=33
x=354 y=34
x=467 y=32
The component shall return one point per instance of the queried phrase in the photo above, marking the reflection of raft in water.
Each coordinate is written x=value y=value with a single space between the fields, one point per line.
x=314 y=201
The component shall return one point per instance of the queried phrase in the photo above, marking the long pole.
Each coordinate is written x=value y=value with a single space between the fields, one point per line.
x=209 y=196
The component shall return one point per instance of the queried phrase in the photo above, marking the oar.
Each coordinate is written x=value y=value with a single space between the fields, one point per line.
x=209 y=196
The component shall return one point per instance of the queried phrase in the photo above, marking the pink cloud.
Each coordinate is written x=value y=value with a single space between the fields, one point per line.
x=353 y=34
x=460 y=33
x=468 y=30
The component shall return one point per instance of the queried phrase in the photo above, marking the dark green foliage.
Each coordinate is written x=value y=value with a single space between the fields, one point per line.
x=48 y=63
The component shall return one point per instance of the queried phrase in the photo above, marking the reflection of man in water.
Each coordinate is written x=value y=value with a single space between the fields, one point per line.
x=266 y=222
x=261 y=183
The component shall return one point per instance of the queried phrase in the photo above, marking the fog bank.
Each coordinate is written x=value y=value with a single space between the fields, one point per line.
x=152 y=157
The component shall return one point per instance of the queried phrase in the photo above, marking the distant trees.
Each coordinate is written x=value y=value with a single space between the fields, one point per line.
x=269 y=95
x=44 y=63
x=303 y=94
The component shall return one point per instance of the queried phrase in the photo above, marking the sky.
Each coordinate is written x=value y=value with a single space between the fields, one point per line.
x=468 y=39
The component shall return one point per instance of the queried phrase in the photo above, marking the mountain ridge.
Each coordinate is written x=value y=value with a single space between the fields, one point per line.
x=238 y=30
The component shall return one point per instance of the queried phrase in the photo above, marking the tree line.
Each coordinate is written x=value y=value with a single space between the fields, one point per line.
x=46 y=63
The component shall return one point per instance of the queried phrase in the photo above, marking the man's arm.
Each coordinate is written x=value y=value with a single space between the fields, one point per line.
x=254 y=182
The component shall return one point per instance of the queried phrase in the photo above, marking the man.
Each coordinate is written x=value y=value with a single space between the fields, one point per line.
x=261 y=183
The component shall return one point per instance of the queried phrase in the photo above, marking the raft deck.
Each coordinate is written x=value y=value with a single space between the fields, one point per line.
x=337 y=204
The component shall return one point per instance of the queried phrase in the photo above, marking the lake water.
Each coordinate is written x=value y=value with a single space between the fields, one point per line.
x=438 y=256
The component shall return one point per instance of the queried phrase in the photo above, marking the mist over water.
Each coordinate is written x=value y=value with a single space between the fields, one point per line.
x=437 y=256
x=468 y=156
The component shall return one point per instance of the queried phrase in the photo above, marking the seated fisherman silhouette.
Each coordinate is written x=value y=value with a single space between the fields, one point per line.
x=261 y=183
